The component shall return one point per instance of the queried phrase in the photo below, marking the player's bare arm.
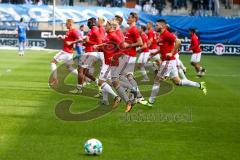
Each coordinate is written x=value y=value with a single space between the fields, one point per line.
x=176 y=47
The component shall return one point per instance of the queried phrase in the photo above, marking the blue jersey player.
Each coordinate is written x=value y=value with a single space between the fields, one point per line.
x=21 y=28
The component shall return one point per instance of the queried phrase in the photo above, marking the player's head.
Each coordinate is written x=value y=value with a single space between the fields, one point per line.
x=149 y=25
x=81 y=27
x=100 y=21
x=161 y=24
x=21 y=19
x=111 y=25
x=91 y=22
x=142 y=29
x=132 y=18
x=69 y=23
x=119 y=19
x=192 y=31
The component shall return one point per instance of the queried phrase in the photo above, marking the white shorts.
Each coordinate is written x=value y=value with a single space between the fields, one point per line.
x=87 y=59
x=64 y=57
x=127 y=64
x=109 y=72
x=168 y=69
x=142 y=59
x=196 y=57
x=157 y=56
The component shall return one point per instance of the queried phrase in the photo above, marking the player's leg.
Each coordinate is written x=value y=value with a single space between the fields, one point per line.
x=20 y=45
x=54 y=80
x=142 y=60
x=105 y=87
x=155 y=89
x=179 y=68
x=163 y=72
x=195 y=62
x=185 y=82
x=24 y=45
x=120 y=90
x=68 y=59
x=129 y=74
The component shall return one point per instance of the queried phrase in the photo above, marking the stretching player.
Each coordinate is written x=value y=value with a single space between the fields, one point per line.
x=169 y=46
x=22 y=38
x=196 y=56
x=66 y=54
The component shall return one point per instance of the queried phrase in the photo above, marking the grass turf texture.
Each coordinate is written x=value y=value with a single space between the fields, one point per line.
x=30 y=130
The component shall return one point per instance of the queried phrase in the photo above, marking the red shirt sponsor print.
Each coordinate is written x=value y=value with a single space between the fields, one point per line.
x=166 y=41
x=132 y=35
x=195 y=44
x=71 y=35
x=94 y=39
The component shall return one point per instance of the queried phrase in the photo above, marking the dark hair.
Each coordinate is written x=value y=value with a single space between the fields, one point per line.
x=81 y=26
x=134 y=15
x=91 y=22
x=119 y=18
x=144 y=28
x=193 y=30
x=162 y=21
x=21 y=19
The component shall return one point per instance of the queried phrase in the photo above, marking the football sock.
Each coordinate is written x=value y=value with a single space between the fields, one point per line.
x=185 y=82
x=107 y=88
x=155 y=90
x=54 y=70
x=144 y=73
x=73 y=70
x=181 y=73
x=134 y=84
x=122 y=93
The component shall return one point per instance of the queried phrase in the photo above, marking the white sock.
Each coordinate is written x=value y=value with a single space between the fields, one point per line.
x=107 y=88
x=134 y=84
x=125 y=83
x=105 y=95
x=181 y=65
x=186 y=82
x=144 y=73
x=54 y=70
x=181 y=73
x=155 y=90
x=73 y=70
x=79 y=86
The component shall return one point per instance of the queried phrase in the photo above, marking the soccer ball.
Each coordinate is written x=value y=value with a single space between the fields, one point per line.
x=93 y=147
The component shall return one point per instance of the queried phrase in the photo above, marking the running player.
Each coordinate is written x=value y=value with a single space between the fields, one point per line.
x=66 y=54
x=196 y=56
x=22 y=37
x=111 y=48
x=132 y=40
x=91 y=55
x=152 y=45
x=142 y=59
x=169 y=46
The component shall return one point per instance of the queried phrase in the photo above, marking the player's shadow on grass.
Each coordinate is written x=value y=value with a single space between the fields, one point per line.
x=62 y=109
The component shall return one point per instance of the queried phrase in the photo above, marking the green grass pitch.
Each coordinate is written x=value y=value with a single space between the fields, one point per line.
x=30 y=130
